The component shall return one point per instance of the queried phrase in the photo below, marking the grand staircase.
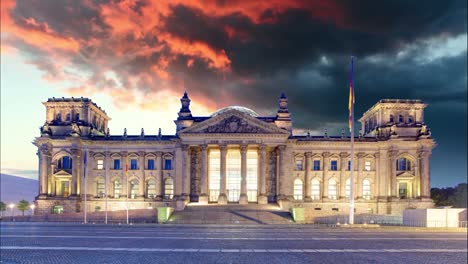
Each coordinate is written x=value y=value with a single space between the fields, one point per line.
x=251 y=214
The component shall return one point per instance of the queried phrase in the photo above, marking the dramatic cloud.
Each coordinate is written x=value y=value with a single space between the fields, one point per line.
x=245 y=52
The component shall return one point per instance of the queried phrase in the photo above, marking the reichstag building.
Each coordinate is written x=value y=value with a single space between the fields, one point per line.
x=233 y=156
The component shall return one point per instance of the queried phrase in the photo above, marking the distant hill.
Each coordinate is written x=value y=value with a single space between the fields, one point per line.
x=14 y=189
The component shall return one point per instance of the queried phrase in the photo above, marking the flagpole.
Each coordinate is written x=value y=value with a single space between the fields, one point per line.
x=351 y=192
x=85 y=193
x=107 y=167
x=126 y=184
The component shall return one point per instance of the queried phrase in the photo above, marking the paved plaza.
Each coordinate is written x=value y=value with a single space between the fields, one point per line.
x=75 y=243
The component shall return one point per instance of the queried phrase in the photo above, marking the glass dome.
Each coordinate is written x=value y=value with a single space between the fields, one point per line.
x=238 y=108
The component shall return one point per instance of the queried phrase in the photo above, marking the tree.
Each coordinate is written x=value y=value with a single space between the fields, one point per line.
x=23 y=205
x=459 y=197
x=456 y=197
x=2 y=208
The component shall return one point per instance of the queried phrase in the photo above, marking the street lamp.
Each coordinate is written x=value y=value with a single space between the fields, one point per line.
x=32 y=208
x=12 y=205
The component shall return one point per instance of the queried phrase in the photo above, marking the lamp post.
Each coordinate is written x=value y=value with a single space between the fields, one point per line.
x=32 y=208
x=12 y=205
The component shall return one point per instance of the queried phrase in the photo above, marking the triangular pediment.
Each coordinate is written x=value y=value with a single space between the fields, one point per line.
x=62 y=173
x=405 y=174
x=233 y=122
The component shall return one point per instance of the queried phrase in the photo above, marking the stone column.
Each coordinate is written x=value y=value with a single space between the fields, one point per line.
x=107 y=167
x=424 y=157
x=375 y=190
x=262 y=198
x=141 y=167
x=76 y=155
x=44 y=155
x=185 y=172
x=392 y=173
x=159 y=176
x=343 y=167
x=124 y=190
x=243 y=195
x=53 y=181
x=326 y=166
x=222 y=199
x=359 y=178
x=203 y=198
x=383 y=175
x=308 y=176
x=282 y=172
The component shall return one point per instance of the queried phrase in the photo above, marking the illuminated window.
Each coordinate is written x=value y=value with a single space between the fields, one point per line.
x=151 y=188
x=214 y=175
x=100 y=187
x=316 y=165
x=168 y=188
x=403 y=190
x=252 y=175
x=315 y=189
x=366 y=189
x=133 y=164
x=133 y=189
x=151 y=164
x=297 y=189
x=348 y=188
x=100 y=164
x=117 y=187
x=233 y=175
x=332 y=189
x=367 y=165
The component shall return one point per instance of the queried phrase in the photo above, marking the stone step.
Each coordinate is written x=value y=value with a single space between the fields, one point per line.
x=231 y=214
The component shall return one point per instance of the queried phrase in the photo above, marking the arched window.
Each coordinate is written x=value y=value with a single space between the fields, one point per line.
x=297 y=189
x=348 y=188
x=315 y=189
x=332 y=189
x=77 y=117
x=58 y=117
x=64 y=163
x=400 y=119
x=151 y=188
x=68 y=117
x=391 y=119
x=168 y=188
x=116 y=188
x=410 y=119
x=133 y=189
x=366 y=189
x=100 y=187
x=403 y=164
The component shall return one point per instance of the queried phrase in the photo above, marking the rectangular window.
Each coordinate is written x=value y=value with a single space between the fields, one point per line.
x=66 y=163
x=316 y=165
x=116 y=164
x=367 y=165
x=299 y=164
x=100 y=164
x=151 y=164
x=133 y=164
x=334 y=165
x=214 y=174
x=168 y=164
x=349 y=165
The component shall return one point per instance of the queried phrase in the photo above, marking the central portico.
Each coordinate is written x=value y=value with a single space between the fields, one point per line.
x=232 y=143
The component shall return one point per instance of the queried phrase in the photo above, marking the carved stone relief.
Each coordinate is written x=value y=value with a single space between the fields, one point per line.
x=233 y=124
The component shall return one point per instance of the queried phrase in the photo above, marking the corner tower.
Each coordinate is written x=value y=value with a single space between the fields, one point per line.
x=283 y=117
x=185 y=118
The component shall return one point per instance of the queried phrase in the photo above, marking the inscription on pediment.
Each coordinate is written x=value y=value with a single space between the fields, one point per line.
x=233 y=124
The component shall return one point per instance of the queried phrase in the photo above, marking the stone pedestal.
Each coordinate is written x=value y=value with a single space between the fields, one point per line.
x=222 y=199
x=203 y=199
x=243 y=199
x=262 y=199
x=180 y=205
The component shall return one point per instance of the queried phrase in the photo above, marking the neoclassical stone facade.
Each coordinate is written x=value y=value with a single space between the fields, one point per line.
x=233 y=156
